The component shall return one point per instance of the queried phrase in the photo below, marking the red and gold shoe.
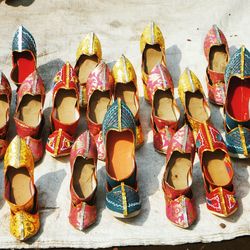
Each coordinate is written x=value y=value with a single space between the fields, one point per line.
x=217 y=55
x=83 y=184
x=126 y=89
x=193 y=100
x=165 y=115
x=65 y=113
x=152 y=47
x=23 y=55
x=20 y=191
x=100 y=86
x=28 y=116
x=217 y=171
x=5 y=101
x=177 y=179
x=88 y=55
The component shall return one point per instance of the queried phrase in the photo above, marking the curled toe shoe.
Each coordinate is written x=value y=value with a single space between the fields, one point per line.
x=65 y=113
x=177 y=179
x=237 y=106
x=165 y=114
x=193 y=100
x=20 y=191
x=217 y=171
x=126 y=88
x=5 y=101
x=88 y=55
x=119 y=131
x=29 y=119
x=152 y=47
x=99 y=95
x=23 y=55
x=83 y=184
x=217 y=55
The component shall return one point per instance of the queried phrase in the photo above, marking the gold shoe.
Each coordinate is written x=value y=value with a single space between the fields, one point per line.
x=152 y=47
x=20 y=191
x=193 y=100
x=88 y=55
x=125 y=87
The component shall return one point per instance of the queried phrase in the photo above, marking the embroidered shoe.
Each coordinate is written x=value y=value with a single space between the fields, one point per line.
x=100 y=85
x=193 y=99
x=23 y=55
x=165 y=115
x=28 y=117
x=217 y=171
x=20 y=191
x=152 y=47
x=65 y=113
x=217 y=55
x=119 y=131
x=88 y=55
x=5 y=101
x=83 y=184
x=177 y=179
x=237 y=106
x=126 y=88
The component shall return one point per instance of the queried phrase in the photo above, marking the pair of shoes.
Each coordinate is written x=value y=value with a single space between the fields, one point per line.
x=237 y=105
x=20 y=191
x=65 y=113
x=102 y=88
x=216 y=169
x=30 y=98
x=88 y=55
x=122 y=198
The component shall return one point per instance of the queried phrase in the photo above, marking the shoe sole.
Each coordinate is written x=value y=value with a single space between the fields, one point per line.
x=121 y=216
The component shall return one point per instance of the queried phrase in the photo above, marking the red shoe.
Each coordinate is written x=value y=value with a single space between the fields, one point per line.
x=23 y=55
x=65 y=113
x=217 y=171
x=217 y=54
x=83 y=184
x=126 y=89
x=99 y=97
x=28 y=116
x=165 y=115
x=5 y=101
x=177 y=179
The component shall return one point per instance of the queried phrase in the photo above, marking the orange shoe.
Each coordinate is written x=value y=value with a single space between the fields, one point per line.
x=20 y=191
x=126 y=89
x=152 y=47
x=88 y=55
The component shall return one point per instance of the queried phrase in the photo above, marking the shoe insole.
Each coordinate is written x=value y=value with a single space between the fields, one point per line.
x=179 y=170
x=238 y=102
x=26 y=65
x=66 y=106
x=86 y=65
x=196 y=107
x=84 y=177
x=214 y=161
x=30 y=110
x=20 y=185
x=127 y=93
x=153 y=56
x=218 y=58
x=163 y=105
x=98 y=105
x=4 y=106
x=120 y=153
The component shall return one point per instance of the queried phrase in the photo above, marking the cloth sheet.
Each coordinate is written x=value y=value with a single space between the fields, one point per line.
x=58 y=26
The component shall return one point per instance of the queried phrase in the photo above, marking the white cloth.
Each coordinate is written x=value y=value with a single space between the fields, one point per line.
x=58 y=26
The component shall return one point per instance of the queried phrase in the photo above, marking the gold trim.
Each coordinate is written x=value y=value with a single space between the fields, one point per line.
x=119 y=115
x=67 y=75
x=124 y=200
x=222 y=202
x=208 y=137
x=57 y=141
x=242 y=61
x=243 y=140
